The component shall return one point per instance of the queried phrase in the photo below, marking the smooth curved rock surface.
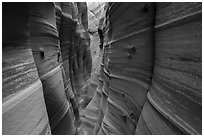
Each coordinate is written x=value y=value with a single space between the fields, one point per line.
x=23 y=106
x=176 y=85
x=102 y=68
x=171 y=80
x=47 y=58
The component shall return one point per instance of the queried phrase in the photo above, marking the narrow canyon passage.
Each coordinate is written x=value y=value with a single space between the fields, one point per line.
x=101 y=68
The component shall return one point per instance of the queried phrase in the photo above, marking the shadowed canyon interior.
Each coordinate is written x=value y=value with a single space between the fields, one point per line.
x=102 y=68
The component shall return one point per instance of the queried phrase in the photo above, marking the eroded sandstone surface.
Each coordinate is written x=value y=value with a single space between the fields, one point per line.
x=102 y=68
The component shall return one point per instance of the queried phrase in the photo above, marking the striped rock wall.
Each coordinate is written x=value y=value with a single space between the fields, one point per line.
x=128 y=62
x=66 y=29
x=42 y=52
x=46 y=52
x=23 y=105
x=175 y=95
x=89 y=100
x=151 y=70
x=145 y=80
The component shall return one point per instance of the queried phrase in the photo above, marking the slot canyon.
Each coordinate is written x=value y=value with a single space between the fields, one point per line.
x=101 y=68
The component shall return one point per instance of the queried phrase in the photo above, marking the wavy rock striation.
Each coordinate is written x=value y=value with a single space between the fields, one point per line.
x=46 y=61
x=23 y=106
x=151 y=70
x=102 y=68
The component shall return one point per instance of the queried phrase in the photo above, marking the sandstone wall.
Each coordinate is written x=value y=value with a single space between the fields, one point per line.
x=146 y=75
x=46 y=61
x=23 y=105
x=151 y=70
